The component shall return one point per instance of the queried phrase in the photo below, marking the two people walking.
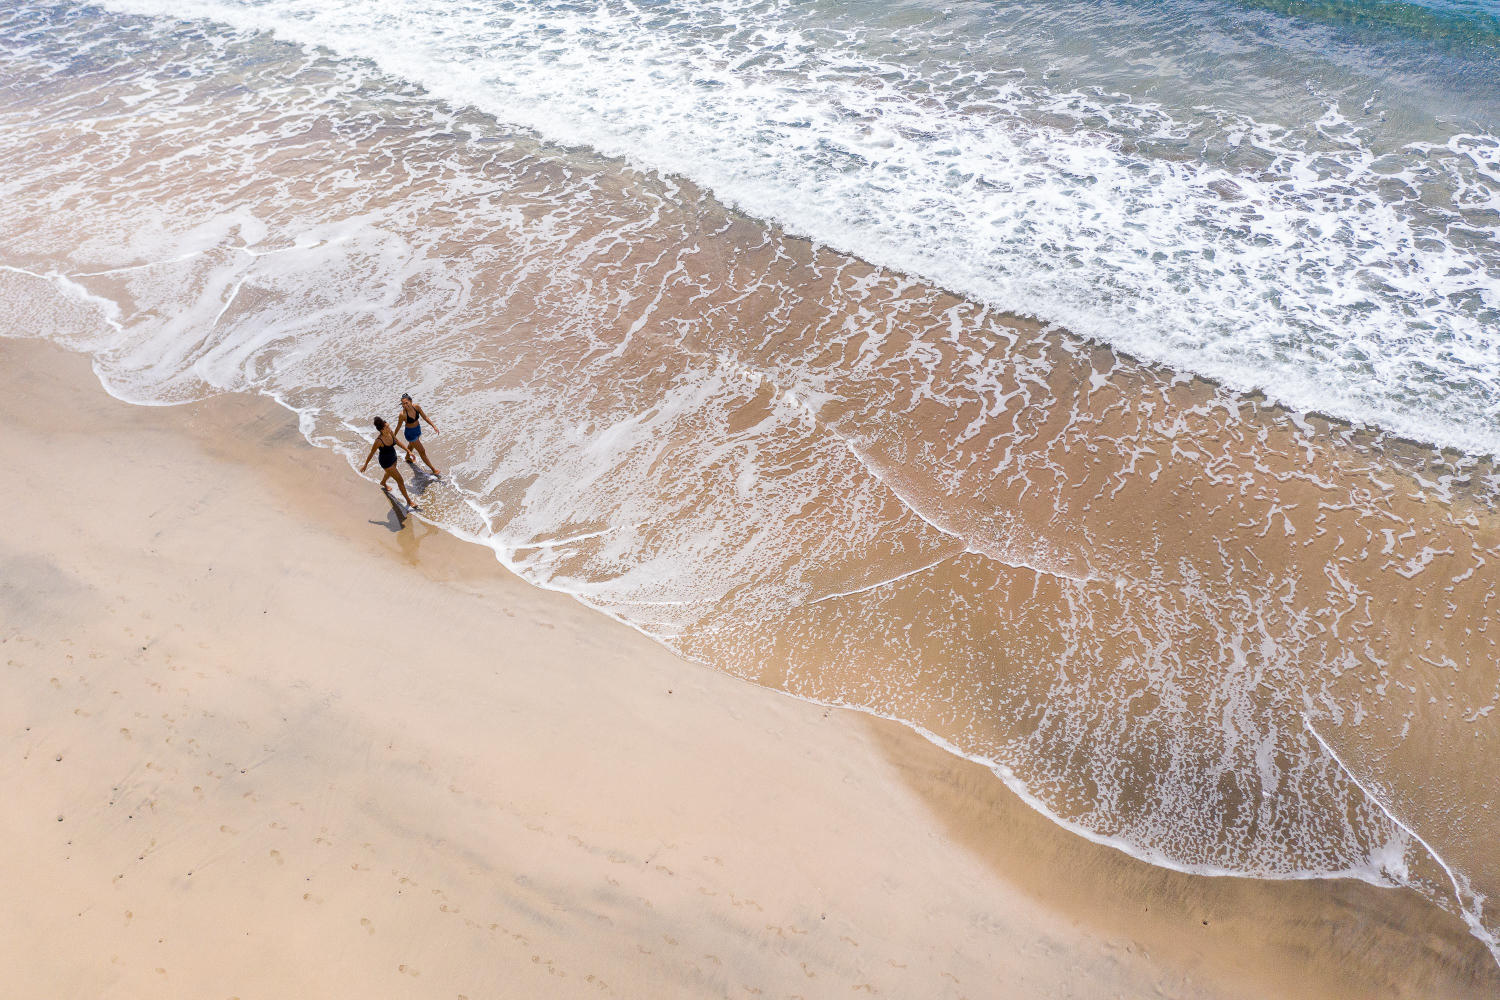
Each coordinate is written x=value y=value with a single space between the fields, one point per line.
x=411 y=418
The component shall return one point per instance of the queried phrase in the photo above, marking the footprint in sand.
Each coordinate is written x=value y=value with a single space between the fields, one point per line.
x=365 y=923
x=276 y=855
x=408 y=970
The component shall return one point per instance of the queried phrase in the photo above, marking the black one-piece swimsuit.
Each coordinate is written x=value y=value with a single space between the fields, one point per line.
x=387 y=456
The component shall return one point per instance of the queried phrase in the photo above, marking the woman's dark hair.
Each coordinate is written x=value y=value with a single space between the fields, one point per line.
x=406 y=396
x=379 y=424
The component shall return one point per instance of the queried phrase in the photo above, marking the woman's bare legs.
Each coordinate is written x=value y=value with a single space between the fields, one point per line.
x=390 y=474
x=417 y=446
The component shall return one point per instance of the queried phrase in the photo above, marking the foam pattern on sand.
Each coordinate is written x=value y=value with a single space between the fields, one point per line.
x=1212 y=633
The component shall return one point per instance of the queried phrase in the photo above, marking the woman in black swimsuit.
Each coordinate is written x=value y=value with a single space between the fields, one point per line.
x=412 y=416
x=386 y=444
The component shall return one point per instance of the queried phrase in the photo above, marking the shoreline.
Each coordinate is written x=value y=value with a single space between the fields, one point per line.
x=1149 y=480
x=1013 y=783
x=1002 y=773
x=998 y=866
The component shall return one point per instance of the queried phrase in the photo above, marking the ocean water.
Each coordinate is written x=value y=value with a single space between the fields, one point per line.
x=1107 y=390
x=1308 y=206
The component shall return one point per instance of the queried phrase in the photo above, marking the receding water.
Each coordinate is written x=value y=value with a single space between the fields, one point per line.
x=851 y=348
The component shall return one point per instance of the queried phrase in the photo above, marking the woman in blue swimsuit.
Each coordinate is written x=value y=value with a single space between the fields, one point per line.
x=412 y=416
x=386 y=444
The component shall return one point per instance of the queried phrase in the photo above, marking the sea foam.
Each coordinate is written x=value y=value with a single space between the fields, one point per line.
x=1318 y=261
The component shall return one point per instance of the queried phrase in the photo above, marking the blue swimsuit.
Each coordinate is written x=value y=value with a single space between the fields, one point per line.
x=413 y=426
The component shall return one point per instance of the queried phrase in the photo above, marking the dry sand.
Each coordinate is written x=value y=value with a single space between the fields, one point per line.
x=259 y=743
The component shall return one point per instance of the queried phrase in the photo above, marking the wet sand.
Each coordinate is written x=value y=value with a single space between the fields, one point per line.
x=260 y=742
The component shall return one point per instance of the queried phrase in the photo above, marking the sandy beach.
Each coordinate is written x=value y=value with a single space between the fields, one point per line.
x=939 y=500
x=261 y=741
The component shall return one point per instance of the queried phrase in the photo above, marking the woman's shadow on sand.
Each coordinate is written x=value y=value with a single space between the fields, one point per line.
x=398 y=518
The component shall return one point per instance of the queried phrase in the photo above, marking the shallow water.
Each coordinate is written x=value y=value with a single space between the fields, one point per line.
x=1305 y=205
x=1222 y=635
